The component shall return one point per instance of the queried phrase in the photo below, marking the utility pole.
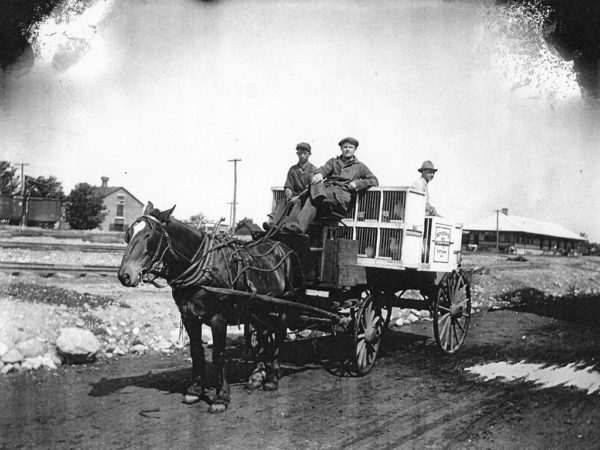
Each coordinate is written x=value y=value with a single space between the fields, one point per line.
x=230 y=214
x=497 y=231
x=233 y=206
x=24 y=204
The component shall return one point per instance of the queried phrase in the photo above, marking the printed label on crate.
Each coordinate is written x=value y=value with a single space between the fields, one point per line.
x=441 y=246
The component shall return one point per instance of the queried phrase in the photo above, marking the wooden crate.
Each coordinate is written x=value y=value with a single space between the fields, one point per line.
x=338 y=265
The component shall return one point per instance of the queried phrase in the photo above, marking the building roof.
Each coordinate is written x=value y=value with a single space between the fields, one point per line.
x=105 y=191
x=513 y=223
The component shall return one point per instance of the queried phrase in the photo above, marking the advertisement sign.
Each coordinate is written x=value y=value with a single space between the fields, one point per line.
x=441 y=246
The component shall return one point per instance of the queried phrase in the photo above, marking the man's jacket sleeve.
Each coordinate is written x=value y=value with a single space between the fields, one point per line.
x=289 y=181
x=366 y=179
x=327 y=169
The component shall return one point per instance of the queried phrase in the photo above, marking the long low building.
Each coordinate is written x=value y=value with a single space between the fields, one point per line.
x=521 y=235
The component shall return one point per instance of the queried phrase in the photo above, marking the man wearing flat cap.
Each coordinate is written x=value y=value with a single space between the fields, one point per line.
x=333 y=187
x=297 y=180
x=427 y=171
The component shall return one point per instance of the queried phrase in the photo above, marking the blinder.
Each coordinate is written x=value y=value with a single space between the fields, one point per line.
x=155 y=266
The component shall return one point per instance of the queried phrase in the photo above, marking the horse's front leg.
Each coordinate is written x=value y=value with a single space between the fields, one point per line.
x=219 y=332
x=193 y=326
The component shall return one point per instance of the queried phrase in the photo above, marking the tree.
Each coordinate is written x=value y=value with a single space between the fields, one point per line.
x=44 y=187
x=9 y=182
x=84 y=208
x=198 y=219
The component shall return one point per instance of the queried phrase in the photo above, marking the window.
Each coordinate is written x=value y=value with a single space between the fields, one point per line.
x=120 y=205
x=119 y=224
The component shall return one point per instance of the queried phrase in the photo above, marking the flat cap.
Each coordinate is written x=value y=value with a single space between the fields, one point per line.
x=303 y=146
x=348 y=139
x=427 y=165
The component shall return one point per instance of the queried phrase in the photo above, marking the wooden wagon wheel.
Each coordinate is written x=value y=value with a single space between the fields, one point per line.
x=368 y=330
x=452 y=311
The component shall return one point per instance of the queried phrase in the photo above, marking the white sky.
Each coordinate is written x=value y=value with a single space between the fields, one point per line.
x=158 y=95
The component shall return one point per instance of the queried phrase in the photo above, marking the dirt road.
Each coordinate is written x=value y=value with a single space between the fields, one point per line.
x=414 y=398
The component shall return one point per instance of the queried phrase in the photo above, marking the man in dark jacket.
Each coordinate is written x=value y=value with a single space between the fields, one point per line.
x=333 y=187
x=297 y=180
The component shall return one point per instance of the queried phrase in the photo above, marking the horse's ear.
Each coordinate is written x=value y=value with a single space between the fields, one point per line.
x=149 y=208
x=166 y=214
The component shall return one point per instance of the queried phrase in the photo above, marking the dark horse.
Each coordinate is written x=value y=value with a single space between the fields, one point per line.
x=202 y=269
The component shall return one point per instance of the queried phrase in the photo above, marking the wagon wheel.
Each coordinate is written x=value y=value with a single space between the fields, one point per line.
x=369 y=326
x=452 y=311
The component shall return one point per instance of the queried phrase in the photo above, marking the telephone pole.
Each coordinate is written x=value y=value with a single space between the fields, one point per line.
x=234 y=204
x=230 y=215
x=24 y=205
x=497 y=230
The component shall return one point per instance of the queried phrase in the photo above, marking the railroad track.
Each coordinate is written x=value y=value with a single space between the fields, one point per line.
x=17 y=267
x=64 y=247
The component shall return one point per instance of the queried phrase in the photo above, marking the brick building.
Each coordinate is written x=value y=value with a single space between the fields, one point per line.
x=122 y=207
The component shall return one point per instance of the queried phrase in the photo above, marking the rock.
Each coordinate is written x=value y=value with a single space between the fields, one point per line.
x=7 y=368
x=118 y=351
x=77 y=346
x=412 y=317
x=21 y=336
x=139 y=348
x=12 y=356
x=305 y=333
x=174 y=335
x=400 y=322
x=137 y=342
x=30 y=348
x=54 y=357
x=3 y=349
x=425 y=314
x=32 y=363
x=396 y=314
x=136 y=331
x=163 y=344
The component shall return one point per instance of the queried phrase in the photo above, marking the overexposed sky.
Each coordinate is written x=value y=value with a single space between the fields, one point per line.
x=158 y=95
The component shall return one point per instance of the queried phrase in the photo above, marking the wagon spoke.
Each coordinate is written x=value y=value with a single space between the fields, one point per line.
x=455 y=334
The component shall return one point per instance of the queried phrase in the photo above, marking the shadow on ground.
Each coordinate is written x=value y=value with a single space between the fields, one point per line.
x=331 y=353
x=578 y=308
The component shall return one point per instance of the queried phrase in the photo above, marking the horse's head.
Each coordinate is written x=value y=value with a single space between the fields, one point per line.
x=147 y=242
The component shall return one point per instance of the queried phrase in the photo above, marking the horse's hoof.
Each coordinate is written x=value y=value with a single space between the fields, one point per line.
x=217 y=408
x=271 y=385
x=256 y=380
x=254 y=384
x=189 y=399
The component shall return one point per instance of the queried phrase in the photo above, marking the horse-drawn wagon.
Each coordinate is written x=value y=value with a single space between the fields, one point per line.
x=385 y=253
x=346 y=275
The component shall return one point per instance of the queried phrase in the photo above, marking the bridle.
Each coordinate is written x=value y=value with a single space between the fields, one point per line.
x=156 y=268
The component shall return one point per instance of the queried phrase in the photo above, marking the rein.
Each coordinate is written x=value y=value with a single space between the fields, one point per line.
x=200 y=264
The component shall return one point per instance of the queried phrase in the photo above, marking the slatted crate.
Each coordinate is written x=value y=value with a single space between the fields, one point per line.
x=392 y=231
x=387 y=223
